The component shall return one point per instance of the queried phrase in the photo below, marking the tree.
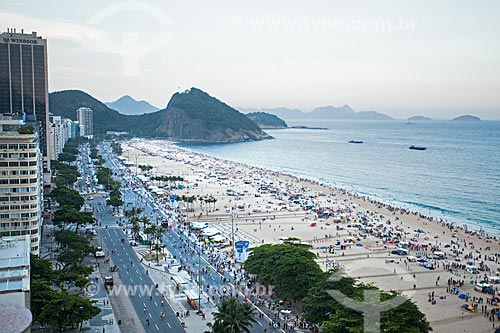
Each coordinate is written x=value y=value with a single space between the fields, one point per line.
x=290 y=268
x=233 y=317
x=77 y=248
x=65 y=309
x=320 y=308
x=66 y=157
x=114 y=201
x=66 y=174
x=41 y=294
x=68 y=214
x=67 y=197
x=136 y=228
x=41 y=269
x=133 y=212
x=145 y=167
x=77 y=274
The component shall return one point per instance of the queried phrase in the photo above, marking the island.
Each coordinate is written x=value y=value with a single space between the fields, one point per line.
x=467 y=118
x=419 y=118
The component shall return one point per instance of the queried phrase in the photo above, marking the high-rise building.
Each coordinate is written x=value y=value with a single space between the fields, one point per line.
x=61 y=130
x=86 y=119
x=24 y=80
x=21 y=188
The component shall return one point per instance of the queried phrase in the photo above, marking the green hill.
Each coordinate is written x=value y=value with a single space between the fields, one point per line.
x=267 y=120
x=190 y=116
x=194 y=115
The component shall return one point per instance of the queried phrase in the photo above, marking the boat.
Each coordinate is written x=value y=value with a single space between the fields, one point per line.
x=418 y=148
x=410 y=123
x=355 y=141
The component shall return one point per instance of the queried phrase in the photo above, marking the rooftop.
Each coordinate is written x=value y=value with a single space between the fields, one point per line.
x=14 y=264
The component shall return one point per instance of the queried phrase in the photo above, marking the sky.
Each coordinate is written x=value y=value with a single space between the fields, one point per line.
x=439 y=58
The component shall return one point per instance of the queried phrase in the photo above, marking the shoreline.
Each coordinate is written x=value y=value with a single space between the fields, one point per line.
x=364 y=228
x=407 y=207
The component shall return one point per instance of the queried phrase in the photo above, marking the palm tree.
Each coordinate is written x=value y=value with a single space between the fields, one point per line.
x=233 y=317
x=132 y=213
x=158 y=247
x=135 y=229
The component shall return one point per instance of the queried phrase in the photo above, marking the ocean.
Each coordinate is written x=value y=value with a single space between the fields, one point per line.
x=457 y=178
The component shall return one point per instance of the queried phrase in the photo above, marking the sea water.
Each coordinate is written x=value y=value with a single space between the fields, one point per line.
x=457 y=178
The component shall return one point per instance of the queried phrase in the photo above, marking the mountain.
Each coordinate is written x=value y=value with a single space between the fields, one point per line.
x=65 y=103
x=129 y=106
x=324 y=112
x=283 y=113
x=419 y=118
x=189 y=116
x=266 y=120
x=371 y=115
x=467 y=118
x=194 y=115
x=331 y=112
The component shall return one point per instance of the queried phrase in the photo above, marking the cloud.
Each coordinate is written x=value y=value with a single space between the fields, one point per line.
x=81 y=34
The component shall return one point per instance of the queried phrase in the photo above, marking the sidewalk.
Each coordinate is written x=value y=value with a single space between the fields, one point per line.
x=106 y=320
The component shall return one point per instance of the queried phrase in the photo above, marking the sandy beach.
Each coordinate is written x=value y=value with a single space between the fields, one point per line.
x=344 y=230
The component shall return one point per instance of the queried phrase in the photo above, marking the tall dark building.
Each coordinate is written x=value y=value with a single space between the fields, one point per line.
x=24 y=80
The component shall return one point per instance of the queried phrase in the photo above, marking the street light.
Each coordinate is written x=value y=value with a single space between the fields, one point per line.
x=233 y=216
x=199 y=277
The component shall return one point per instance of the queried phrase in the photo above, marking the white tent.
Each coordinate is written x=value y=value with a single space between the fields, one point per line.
x=209 y=232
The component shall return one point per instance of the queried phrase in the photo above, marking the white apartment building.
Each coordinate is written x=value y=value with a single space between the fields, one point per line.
x=21 y=186
x=60 y=133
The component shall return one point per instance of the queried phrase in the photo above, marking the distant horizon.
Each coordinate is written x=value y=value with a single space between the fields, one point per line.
x=389 y=113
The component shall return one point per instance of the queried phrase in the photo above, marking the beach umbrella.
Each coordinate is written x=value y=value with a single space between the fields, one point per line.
x=462 y=296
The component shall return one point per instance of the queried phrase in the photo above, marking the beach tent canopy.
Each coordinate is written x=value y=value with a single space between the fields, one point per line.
x=198 y=225
x=462 y=296
x=218 y=238
x=209 y=232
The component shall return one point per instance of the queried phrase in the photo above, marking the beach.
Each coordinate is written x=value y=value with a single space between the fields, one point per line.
x=345 y=230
